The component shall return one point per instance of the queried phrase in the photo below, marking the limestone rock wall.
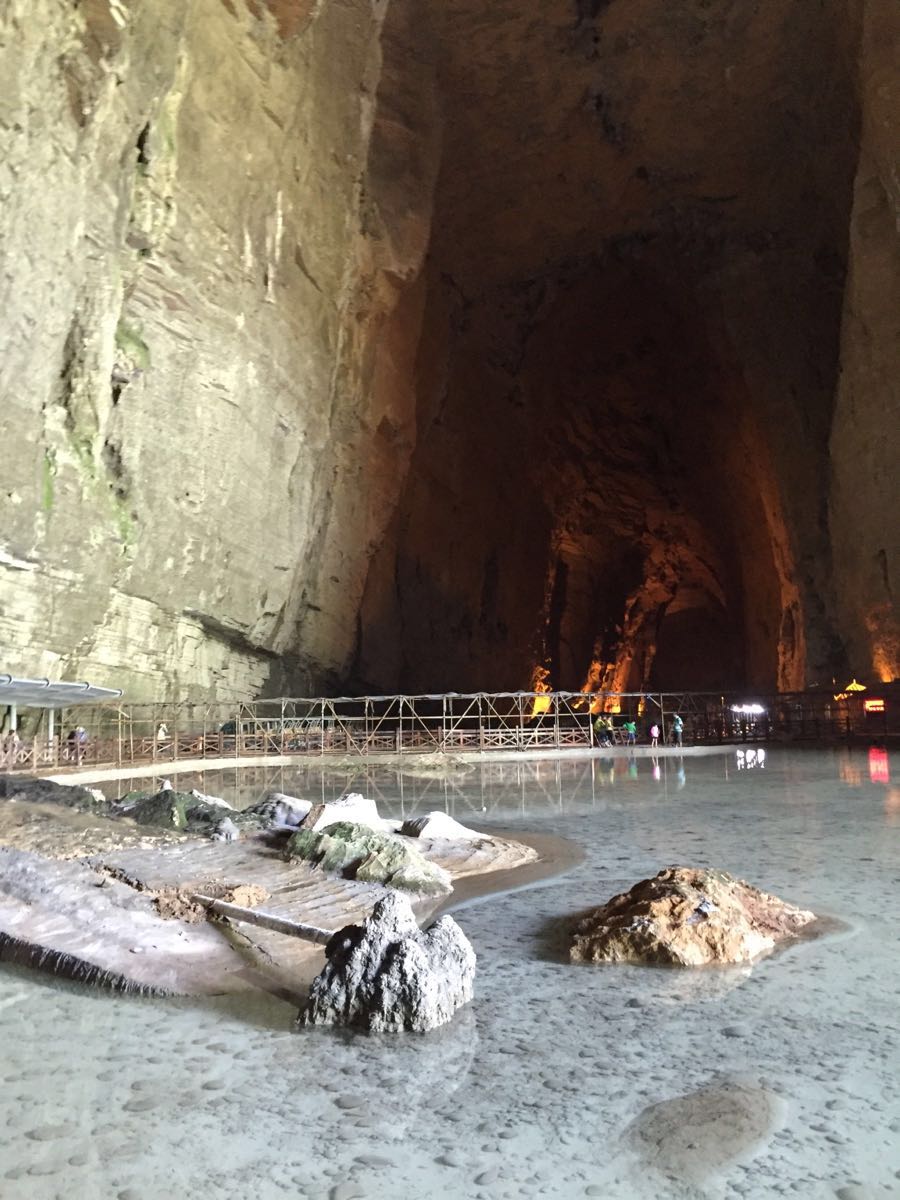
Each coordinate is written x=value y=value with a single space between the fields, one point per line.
x=205 y=246
x=636 y=287
x=387 y=345
x=865 y=438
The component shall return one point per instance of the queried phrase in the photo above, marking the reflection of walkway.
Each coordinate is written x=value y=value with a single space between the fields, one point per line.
x=470 y=788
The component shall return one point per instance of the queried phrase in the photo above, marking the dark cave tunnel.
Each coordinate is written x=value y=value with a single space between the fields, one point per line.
x=631 y=330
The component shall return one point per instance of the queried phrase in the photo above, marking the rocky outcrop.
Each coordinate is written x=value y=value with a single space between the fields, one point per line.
x=39 y=791
x=387 y=976
x=213 y=220
x=687 y=917
x=279 y=810
x=359 y=852
x=438 y=825
x=353 y=807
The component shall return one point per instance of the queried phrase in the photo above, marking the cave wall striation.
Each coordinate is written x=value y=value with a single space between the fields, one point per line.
x=387 y=346
x=205 y=239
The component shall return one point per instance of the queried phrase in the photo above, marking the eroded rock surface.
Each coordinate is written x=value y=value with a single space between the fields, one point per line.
x=369 y=856
x=278 y=810
x=424 y=397
x=438 y=825
x=686 y=916
x=388 y=976
x=352 y=807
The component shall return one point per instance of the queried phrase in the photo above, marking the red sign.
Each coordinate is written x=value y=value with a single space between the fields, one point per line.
x=873 y=706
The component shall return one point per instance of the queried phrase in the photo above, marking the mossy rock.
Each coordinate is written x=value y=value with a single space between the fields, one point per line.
x=40 y=791
x=167 y=809
x=359 y=852
x=179 y=810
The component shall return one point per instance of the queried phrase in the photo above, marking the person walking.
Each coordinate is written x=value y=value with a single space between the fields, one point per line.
x=677 y=730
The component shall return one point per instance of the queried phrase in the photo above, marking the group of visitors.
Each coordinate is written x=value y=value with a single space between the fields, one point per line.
x=606 y=731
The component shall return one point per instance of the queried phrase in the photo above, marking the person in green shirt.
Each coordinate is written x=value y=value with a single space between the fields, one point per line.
x=603 y=729
x=677 y=729
x=631 y=730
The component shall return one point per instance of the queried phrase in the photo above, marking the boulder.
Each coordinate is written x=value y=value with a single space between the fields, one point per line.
x=705 y=1132
x=225 y=831
x=279 y=810
x=41 y=791
x=352 y=807
x=438 y=825
x=355 y=851
x=388 y=975
x=212 y=801
x=686 y=916
x=189 y=811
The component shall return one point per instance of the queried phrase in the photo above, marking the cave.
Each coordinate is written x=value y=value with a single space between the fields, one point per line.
x=411 y=348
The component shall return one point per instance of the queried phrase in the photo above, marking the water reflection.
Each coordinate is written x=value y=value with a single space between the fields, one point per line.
x=748 y=759
x=879 y=771
x=498 y=790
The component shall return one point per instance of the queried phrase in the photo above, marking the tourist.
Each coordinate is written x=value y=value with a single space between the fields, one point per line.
x=76 y=742
x=630 y=728
x=654 y=735
x=603 y=728
x=677 y=729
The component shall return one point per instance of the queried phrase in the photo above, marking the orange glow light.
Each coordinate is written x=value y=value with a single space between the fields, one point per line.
x=873 y=706
x=540 y=704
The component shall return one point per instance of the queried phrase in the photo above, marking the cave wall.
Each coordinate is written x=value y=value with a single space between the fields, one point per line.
x=865 y=437
x=396 y=346
x=637 y=280
x=213 y=220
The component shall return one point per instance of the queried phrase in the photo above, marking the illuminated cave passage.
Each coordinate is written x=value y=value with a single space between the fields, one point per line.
x=627 y=374
x=430 y=346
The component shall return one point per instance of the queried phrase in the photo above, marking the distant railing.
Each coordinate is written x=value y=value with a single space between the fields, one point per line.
x=477 y=722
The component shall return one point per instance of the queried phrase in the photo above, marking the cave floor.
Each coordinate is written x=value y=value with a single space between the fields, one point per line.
x=561 y=1081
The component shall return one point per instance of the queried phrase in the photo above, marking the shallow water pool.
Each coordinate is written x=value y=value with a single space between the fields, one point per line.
x=537 y=1087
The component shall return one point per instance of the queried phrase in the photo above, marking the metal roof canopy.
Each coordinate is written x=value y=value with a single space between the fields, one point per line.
x=43 y=693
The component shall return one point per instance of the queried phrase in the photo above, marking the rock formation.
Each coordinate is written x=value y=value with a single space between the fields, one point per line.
x=353 y=807
x=388 y=976
x=278 y=810
x=687 y=917
x=690 y=1138
x=438 y=825
x=333 y=349
x=370 y=856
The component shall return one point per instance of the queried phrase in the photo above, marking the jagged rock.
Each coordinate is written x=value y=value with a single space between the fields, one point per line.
x=388 y=976
x=686 y=916
x=214 y=801
x=225 y=831
x=278 y=810
x=352 y=807
x=369 y=855
x=41 y=791
x=189 y=811
x=167 y=808
x=438 y=825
